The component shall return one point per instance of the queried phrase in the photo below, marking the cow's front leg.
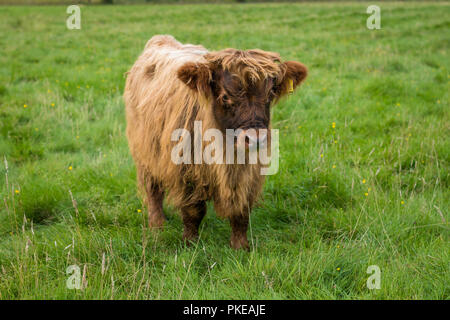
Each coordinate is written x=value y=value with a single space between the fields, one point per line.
x=154 y=196
x=192 y=217
x=239 y=225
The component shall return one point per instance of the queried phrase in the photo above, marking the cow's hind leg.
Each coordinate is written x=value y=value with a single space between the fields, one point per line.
x=154 y=196
x=239 y=225
x=192 y=217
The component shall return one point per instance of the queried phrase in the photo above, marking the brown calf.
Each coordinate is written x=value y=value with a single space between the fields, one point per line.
x=171 y=86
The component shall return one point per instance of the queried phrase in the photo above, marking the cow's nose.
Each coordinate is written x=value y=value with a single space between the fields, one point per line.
x=256 y=137
x=262 y=137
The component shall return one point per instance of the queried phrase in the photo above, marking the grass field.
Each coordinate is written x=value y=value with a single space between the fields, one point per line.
x=364 y=168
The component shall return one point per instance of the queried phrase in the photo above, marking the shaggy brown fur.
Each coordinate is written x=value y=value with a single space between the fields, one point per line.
x=170 y=86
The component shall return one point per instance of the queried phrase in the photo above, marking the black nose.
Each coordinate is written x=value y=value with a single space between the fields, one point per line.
x=256 y=138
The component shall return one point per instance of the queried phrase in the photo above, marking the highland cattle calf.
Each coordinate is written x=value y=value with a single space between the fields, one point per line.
x=174 y=86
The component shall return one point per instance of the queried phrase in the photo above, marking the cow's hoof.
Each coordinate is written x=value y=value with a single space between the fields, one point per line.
x=156 y=221
x=190 y=239
x=239 y=243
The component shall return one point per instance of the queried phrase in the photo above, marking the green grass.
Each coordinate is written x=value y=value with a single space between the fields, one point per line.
x=374 y=190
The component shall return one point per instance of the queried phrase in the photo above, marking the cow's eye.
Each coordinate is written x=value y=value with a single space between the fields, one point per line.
x=272 y=94
x=225 y=99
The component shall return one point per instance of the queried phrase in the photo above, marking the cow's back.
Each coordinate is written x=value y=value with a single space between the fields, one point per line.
x=157 y=103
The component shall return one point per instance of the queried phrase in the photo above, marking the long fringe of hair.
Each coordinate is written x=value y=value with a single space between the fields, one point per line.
x=157 y=103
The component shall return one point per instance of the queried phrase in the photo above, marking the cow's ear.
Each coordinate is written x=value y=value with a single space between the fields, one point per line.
x=196 y=76
x=295 y=73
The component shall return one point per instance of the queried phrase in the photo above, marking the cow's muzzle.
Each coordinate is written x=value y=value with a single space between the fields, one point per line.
x=253 y=138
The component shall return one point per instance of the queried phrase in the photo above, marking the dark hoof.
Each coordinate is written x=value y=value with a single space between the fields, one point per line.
x=156 y=221
x=190 y=239
x=240 y=243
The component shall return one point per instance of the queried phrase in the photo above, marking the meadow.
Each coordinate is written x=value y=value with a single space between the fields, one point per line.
x=364 y=157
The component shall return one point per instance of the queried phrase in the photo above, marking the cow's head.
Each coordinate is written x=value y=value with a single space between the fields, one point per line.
x=242 y=86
